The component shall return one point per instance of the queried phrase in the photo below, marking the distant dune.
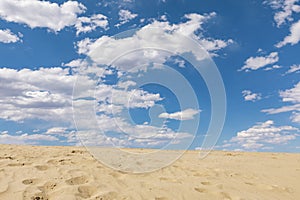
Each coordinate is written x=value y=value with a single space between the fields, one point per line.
x=66 y=173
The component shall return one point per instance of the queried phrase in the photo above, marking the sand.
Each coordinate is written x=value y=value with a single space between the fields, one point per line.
x=35 y=172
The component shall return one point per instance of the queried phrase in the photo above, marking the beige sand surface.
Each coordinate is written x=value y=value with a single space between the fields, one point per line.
x=68 y=173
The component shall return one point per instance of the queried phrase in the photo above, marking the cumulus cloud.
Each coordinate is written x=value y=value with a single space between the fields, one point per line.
x=159 y=35
x=42 y=14
x=294 y=36
x=88 y=24
x=6 y=36
x=187 y=114
x=213 y=45
x=291 y=96
x=250 y=96
x=254 y=63
x=53 y=16
x=262 y=135
x=125 y=16
x=46 y=93
x=41 y=94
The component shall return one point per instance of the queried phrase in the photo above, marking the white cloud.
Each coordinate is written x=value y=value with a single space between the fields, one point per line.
x=285 y=9
x=160 y=35
x=163 y=18
x=254 y=63
x=273 y=67
x=43 y=14
x=41 y=94
x=88 y=24
x=55 y=17
x=282 y=109
x=261 y=135
x=294 y=36
x=250 y=96
x=6 y=36
x=214 y=45
x=46 y=94
x=179 y=62
x=56 y=131
x=291 y=96
x=187 y=114
x=132 y=135
x=293 y=69
x=6 y=138
x=125 y=16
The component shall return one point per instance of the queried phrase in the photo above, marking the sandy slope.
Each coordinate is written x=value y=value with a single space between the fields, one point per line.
x=71 y=173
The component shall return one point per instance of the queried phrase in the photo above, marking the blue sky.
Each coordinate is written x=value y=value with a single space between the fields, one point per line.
x=57 y=58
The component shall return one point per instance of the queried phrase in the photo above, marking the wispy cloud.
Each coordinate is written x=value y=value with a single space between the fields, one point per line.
x=187 y=114
x=292 y=97
x=255 y=63
x=294 y=36
x=6 y=36
x=284 y=10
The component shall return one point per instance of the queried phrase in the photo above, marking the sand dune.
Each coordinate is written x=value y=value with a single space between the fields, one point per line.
x=66 y=173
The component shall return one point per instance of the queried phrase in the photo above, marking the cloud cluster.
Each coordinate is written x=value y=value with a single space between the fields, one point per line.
x=284 y=10
x=35 y=94
x=6 y=36
x=291 y=96
x=46 y=94
x=25 y=138
x=261 y=135
x=284 y=13
x=125 y=16
x=250 y=96
x=254 y=63
x=53 y=16
x=88 y=24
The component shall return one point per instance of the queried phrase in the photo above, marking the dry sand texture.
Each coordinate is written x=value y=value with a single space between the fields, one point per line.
x=67 y=173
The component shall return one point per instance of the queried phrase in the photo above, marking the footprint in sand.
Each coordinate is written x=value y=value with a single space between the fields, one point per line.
x=41 y=167
x=160 y=198
x=48 y=186
x=108 y=196
x=225 y=196
x=60 y=161
x=3 y=187
x=201 y=190
x=39 y=196
x=205 y=183
x=29 y=181
x=249 y=183
x=77 y=180
x=86 y=191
